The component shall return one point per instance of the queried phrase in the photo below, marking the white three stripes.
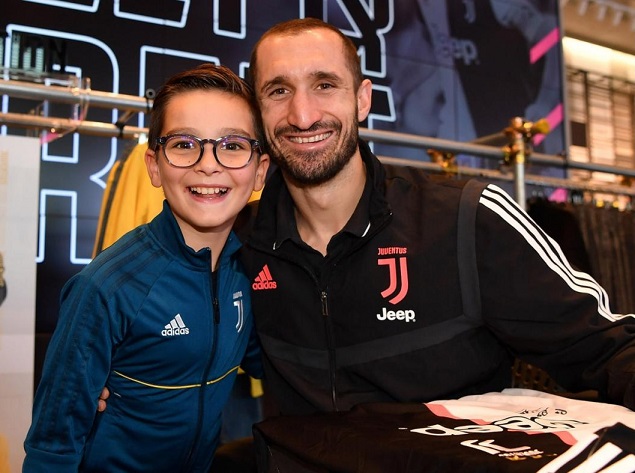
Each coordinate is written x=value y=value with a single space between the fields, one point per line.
x=499 y=202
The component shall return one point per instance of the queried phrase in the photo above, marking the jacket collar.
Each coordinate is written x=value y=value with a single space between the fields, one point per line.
x=168 y=233
x=275 y=221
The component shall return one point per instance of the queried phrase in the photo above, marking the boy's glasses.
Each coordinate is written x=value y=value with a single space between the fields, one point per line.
x=231 y=151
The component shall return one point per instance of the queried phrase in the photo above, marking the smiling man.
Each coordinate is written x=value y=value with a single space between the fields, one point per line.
x=377 y=283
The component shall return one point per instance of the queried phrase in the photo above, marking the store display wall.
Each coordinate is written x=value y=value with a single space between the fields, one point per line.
x=454 y=69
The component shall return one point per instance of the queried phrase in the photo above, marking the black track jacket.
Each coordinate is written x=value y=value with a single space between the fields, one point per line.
x=413 y=303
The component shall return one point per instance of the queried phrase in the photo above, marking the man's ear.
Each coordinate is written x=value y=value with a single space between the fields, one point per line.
x=261 y=172
x=364 y=99
x=152 y=165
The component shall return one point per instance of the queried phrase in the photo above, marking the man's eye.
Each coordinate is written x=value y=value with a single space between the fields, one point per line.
x=278 y=91
x=325 y=86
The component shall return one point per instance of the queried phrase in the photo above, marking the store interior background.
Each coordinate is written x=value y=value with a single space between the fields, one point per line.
x=598 y=75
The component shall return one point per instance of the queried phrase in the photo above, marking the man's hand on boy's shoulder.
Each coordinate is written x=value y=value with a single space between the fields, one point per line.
x=102 y=404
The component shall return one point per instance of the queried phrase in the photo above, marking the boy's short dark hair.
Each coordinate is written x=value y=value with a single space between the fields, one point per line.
x=204 y=77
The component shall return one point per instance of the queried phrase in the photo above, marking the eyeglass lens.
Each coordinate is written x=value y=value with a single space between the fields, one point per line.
x=230 y=151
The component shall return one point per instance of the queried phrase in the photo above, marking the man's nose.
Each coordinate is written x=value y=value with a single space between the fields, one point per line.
x=304 y=110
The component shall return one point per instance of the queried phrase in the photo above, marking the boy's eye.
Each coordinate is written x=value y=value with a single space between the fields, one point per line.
x=183 y=144
x=235 y=145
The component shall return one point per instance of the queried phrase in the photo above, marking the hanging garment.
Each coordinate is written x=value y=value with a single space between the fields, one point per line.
x=4 y=455
x=560 y=222
x=129 y=200
x=608 y=234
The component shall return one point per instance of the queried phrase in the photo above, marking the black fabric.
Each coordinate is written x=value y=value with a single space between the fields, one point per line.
x=235 y=457
x=618 y=435
x=406 y=270
x=466 y=251
x=313 y=312
x=597 y=240
x=608 y=235
x=560 y=222
x=379 y=438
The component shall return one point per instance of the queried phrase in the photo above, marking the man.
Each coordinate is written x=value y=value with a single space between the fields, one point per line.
x=369 y=281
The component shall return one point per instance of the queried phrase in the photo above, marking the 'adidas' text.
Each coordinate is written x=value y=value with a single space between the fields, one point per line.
x=175 y=331
x=264 y=285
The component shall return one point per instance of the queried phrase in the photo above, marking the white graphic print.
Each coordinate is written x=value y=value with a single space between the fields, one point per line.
x=175 y=327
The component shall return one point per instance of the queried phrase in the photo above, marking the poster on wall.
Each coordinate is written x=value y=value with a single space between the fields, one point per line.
x=19 y=171
x=451 y=69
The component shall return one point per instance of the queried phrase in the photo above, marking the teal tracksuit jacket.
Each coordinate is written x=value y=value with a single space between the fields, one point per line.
x=147 y=319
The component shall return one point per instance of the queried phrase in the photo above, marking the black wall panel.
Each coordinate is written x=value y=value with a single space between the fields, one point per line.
x=454 y=69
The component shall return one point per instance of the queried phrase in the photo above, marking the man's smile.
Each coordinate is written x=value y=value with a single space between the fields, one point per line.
x=310 y=139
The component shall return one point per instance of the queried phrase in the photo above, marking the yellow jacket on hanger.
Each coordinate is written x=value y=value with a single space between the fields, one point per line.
x=129 y=200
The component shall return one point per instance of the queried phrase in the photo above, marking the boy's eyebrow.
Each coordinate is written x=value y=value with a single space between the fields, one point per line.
x=235 y=131
x=222 y=132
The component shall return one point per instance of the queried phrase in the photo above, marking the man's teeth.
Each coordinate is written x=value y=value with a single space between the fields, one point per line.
x=208 y=190
x=310 y=139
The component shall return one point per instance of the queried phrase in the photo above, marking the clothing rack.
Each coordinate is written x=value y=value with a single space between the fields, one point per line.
x=529 y=179
x=129 y=105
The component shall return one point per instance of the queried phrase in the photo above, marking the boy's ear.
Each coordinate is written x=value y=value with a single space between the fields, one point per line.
x=261 y=172
x=152 y=166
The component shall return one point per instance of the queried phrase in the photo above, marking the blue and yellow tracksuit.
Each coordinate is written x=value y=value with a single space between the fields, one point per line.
x=148 y=319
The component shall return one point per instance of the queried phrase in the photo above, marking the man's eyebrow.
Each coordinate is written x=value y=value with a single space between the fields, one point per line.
x=282 y=80
x=324 y=75
x=276 y=81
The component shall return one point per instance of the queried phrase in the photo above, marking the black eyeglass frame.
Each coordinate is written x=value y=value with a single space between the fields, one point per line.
x=255 y=146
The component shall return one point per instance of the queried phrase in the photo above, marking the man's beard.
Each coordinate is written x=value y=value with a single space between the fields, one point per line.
x=315 y=167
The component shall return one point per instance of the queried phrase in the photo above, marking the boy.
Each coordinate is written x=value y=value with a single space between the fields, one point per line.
x=163 y=316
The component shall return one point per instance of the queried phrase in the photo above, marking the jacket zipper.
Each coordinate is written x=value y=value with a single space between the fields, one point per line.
x=330 y=340
x=331 y=348
x=210 y=361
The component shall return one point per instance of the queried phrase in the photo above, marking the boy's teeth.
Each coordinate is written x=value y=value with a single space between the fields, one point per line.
x=208 y=190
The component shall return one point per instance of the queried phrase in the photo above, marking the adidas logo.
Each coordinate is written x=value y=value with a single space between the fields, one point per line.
x=175 y=327
x=264 y=280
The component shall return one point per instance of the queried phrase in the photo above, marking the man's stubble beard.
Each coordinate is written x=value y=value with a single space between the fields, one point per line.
x=315 y=168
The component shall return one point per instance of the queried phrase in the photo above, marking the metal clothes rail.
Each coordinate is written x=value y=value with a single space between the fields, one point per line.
x=131 y=104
